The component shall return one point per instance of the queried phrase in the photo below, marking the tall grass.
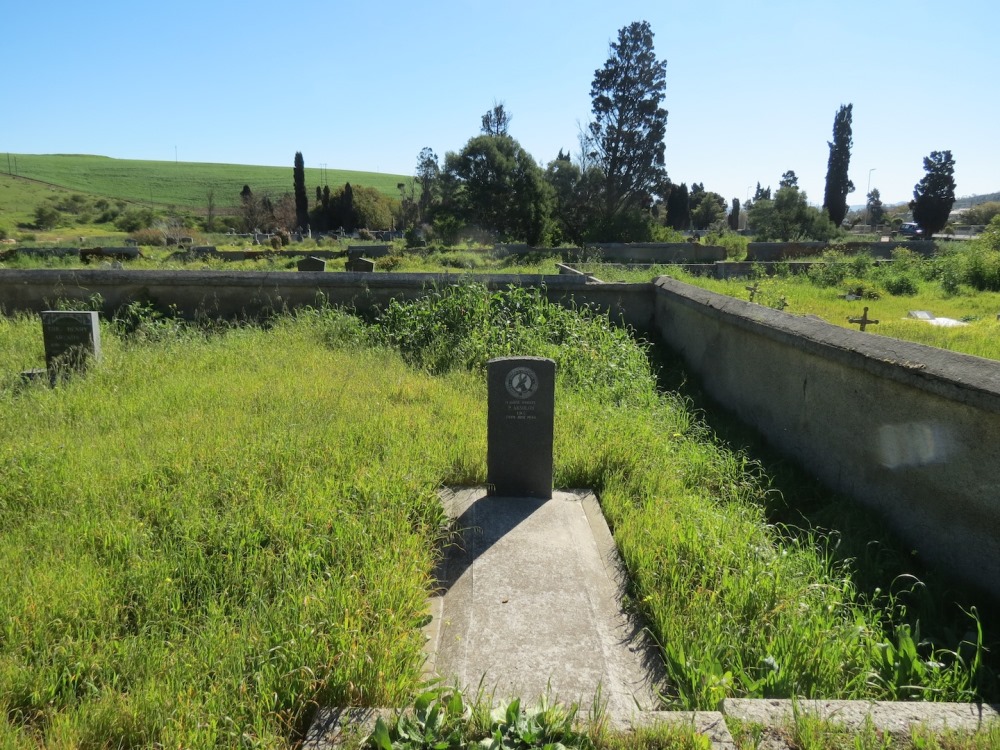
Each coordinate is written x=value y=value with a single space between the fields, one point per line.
x=216 y=529
x=205 y=536
x=738 y=605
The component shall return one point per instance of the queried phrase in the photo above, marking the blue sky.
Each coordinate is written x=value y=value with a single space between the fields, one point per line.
x=752 y=88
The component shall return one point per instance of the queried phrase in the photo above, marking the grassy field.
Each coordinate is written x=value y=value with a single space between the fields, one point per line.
x=218 y=528
x=163 y=183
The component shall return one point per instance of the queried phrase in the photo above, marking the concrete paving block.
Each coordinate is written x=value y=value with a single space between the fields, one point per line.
x=894 y=717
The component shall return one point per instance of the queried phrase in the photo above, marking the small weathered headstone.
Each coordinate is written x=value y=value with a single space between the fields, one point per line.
x=521 y=409
x=71 y=339
x=311 y=264
x=920 y=315
x=361 y=265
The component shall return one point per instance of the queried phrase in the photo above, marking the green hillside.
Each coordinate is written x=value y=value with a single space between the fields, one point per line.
x=165 y=183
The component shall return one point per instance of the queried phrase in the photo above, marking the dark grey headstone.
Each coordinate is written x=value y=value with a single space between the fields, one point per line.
x=375 y=251
x=71 y=339
x=362 y=265
x=521 y=392
x=311 y=264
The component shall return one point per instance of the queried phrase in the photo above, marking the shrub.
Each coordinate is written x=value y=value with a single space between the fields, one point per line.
x=388 y=262
x=47 y=217
x=275 y=242
x=899 y=285
x=364 y=234
x=134 y=220
x=149 y=237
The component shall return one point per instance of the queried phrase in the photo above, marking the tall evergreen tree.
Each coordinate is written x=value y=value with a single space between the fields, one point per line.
x=625 y=138
x=838 y=186
x=679 y=207
x=301 y=197
x=934 y=195
x=734 y=215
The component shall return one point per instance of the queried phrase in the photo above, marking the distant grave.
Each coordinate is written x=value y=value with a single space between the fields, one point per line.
x=521 y=393
x=930 y=318
x=360 y=265
x=311 y=264
x=375 y=251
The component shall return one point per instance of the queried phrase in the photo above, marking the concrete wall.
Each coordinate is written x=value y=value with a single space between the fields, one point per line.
x=233 y=294
x=911 y=431
x=776 y=251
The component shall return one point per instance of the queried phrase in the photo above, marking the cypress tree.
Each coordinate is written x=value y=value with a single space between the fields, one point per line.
x=934 y=195
x=837 y=183
x=301 y=197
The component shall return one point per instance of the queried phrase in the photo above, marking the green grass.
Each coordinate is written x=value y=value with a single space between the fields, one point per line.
x=164 y=183
x=980 y=338
x=217 y=528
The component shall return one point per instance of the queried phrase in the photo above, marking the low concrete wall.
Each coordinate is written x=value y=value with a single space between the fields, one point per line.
x=909 y=430
x=251 y=293
x=777 y=251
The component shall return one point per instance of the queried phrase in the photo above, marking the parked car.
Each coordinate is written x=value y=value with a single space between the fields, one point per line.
x=911 y=229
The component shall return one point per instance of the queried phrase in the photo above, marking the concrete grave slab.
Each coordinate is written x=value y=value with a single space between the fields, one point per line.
x=530 y=605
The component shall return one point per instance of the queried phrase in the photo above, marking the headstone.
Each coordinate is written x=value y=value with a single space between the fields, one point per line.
x=361 y=265
x=375 y=251
x=920 y=315
x=311 y=264
x=71 y=339
x=521 y=406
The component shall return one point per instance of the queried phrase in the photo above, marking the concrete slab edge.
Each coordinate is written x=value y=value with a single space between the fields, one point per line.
x=888 y=716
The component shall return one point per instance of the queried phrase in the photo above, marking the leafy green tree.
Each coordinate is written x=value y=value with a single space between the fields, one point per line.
x=301 y=197
x=788 y=180
x=575 y=192
x=762 y=194
x=788 y=217
x=497 y=120
x=838 y=186
x=934 y=195
x=874 y=212
x=625 y=139
x=981 y=213
x=496 y=185
x=707 y=209
x=428 y=178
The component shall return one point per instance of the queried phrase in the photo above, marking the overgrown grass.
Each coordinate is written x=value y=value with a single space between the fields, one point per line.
x=217 y=528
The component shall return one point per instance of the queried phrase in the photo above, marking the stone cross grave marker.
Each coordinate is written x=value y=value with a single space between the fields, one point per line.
x=864 y=320
x=360 y=265
x=753 y=290
x=71 y=340
x=521 y=393
x=311 y=264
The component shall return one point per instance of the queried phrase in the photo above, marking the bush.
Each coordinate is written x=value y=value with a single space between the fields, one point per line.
x=388 y=262
x=134 y=220
x=47 y=217
x=149 y=237
x=900 y=285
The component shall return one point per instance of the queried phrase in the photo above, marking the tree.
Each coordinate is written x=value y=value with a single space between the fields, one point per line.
x=428 y=178
x=46 y=217
x=788 y=180
x=497 y=185
x=734 y=215
x=838 y=186
x=625 y=138
x=934 y=195
x=788 y=217
x=679 y=207
x=301 y=197
x=707 y=208
x=874 y=213
x=210 y=212
x=760 y=194
x=497 y=120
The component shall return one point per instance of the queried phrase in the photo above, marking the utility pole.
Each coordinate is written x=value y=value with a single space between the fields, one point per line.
x=8 y=163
